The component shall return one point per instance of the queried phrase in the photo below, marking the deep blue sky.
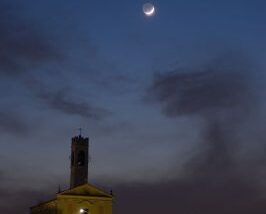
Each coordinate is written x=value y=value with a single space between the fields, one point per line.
x=160 y=97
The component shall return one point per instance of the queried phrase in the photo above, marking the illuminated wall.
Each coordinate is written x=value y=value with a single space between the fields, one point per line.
x=82 y=199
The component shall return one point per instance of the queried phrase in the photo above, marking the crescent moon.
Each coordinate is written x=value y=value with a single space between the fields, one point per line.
x=151 y=12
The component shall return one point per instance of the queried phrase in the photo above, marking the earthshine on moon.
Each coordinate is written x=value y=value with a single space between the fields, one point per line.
x=148 y=9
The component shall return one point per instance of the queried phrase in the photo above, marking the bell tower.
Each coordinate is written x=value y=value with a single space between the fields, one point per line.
x=79 y=161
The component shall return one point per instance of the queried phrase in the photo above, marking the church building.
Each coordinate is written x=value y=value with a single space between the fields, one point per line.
x=81 y=197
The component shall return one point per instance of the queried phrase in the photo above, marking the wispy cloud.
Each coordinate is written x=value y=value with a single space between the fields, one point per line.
x=60 y=101
x=23 y=44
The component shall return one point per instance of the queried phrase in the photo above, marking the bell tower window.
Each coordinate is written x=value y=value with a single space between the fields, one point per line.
x=81 y=158
x=72 y=159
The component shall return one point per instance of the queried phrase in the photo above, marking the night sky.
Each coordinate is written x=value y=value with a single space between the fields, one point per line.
x=173 y=104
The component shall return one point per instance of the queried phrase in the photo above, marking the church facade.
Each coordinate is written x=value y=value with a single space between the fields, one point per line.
x=82 y=197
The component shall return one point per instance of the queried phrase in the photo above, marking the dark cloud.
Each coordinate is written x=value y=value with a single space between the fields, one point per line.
x=23 y=44
x=115 y=83
x=211 y=183
x=60 y=101
x=215 y=179
x=11 y=122
x=220 y=84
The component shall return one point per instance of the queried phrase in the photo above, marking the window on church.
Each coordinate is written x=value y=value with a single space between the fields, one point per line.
x=81 y=158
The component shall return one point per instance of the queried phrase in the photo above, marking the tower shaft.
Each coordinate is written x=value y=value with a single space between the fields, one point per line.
x=79 y=161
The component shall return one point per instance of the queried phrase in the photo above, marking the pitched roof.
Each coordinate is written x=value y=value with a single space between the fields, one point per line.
x=43 y=203
x=85 y=190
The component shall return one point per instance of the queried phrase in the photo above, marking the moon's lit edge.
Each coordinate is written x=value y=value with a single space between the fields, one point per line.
x=151 y=12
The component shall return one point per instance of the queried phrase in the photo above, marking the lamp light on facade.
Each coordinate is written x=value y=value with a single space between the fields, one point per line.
x=82 y=210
